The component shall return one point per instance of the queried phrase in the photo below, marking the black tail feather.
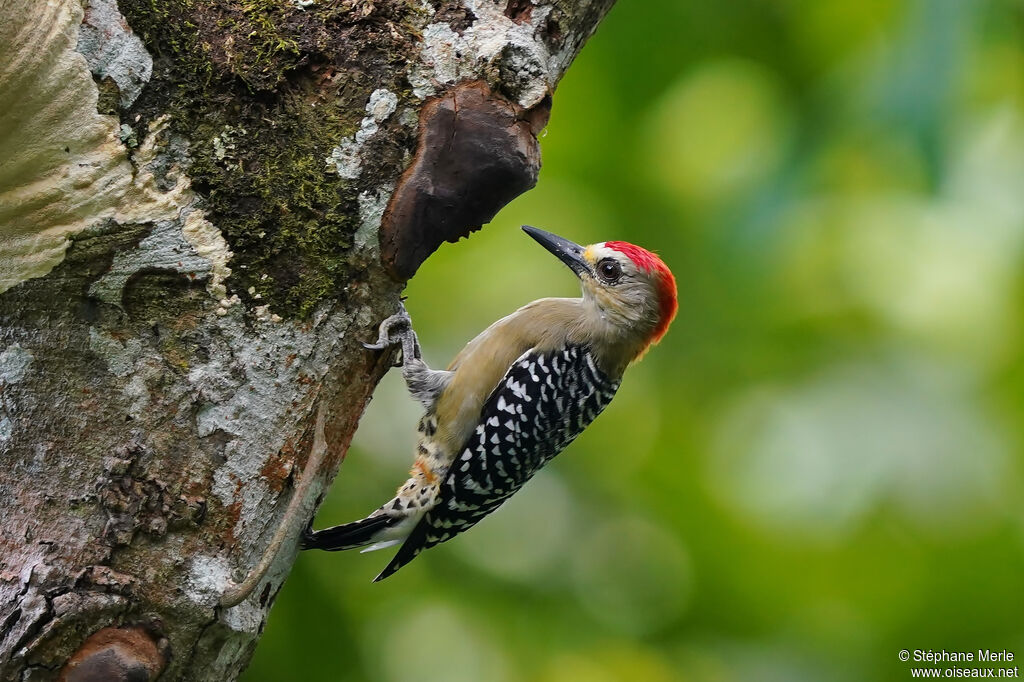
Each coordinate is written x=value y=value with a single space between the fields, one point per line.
x=413 y=545
x=348 y=535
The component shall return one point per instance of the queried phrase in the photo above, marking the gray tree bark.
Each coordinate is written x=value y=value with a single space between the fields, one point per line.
x=205 y=206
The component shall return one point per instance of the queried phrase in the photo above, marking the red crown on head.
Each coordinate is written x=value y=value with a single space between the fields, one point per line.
x=666 y=282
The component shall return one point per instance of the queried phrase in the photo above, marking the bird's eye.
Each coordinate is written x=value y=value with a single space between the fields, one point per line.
x=609 y=270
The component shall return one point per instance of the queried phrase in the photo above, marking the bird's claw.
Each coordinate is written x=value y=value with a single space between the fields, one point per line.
x=396 y=330
x=379 y=346
x=400 y=322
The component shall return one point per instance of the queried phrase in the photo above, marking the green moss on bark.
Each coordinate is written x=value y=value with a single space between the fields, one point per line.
x=261 y=91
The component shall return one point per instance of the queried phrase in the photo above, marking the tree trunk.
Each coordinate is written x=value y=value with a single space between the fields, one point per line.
x=205 y=206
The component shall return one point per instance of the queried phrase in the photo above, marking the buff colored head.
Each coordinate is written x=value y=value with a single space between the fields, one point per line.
x=629 y=286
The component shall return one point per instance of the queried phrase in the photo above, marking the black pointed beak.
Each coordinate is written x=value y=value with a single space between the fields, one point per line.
x=568 y=252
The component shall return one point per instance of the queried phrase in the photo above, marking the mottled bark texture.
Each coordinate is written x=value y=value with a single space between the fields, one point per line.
x=205 y=205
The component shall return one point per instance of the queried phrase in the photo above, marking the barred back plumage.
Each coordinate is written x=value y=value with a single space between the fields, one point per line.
x=514 y=397
x=544 y=401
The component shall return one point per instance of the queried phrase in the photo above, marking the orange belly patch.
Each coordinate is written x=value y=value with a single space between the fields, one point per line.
x=425 y=471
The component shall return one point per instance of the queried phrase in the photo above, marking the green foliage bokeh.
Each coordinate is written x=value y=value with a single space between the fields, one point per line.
x=821 y=463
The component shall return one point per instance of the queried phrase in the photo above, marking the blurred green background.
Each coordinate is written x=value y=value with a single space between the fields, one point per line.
x=821 y=463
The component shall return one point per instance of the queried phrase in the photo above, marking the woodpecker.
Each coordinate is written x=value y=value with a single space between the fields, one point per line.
x=514 y=397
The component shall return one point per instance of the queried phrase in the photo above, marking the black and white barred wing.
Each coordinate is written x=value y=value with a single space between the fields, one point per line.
x=541 y=404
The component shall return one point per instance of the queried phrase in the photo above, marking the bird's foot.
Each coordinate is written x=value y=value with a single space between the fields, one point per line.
x=392 y=329
x=397 y=330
